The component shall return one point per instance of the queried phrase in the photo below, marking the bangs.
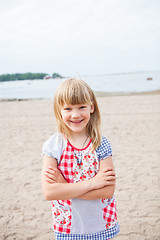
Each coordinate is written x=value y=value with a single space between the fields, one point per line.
x=74 y=92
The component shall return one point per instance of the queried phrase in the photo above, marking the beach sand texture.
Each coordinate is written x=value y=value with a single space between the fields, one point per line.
x=132 y=123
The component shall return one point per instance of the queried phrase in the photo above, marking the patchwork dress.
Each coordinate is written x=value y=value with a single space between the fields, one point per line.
x=77 y=218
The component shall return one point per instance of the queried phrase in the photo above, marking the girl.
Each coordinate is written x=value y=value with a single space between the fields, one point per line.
x=78 y=175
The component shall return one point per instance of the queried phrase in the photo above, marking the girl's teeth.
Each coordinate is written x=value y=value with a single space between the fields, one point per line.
x=77 y=121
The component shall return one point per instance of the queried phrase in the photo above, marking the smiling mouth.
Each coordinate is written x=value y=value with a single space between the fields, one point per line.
x=76 y=122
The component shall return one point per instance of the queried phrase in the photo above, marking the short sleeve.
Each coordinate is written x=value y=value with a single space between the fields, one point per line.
x=104 y=150
x=53 y=147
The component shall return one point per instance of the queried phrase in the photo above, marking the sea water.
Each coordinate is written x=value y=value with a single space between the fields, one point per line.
x=111 y=83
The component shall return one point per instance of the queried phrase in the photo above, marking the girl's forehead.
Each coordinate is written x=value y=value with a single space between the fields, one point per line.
x=74 y=105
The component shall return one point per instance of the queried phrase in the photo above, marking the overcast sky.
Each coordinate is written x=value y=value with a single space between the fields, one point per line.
x=79 y=36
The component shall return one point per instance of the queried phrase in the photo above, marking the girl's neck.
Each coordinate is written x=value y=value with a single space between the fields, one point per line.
x=79 y=141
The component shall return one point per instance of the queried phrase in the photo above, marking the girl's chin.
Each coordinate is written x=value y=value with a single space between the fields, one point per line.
x=76 y=130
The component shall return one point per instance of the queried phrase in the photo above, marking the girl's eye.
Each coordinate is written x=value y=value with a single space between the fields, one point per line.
x=82 y=107
x=67 y=109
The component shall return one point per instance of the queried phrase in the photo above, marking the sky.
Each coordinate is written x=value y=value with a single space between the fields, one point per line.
x=87 y=37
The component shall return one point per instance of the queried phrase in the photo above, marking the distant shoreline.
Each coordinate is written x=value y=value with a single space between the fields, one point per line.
x=98 y=94
x=27 y=76
x=108 y=94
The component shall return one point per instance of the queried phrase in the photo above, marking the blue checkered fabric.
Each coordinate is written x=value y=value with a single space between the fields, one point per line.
x=104 y=235
x=104 y=150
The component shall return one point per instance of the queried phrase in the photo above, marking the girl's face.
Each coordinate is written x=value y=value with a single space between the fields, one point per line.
x=76 y=117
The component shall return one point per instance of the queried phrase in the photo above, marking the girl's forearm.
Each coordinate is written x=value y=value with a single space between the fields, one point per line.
x=62 y=191
x=105 y=192
x=55 y=189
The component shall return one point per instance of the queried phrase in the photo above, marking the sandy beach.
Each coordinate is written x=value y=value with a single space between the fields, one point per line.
x=131 y=122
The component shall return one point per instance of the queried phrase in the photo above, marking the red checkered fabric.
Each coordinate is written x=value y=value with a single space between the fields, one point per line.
x=62 y=222
x=109 y=214
x=62 y=229
x=66 y=163
x=61 y=210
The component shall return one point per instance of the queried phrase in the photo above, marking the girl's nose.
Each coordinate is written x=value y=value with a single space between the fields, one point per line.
x=75 y=114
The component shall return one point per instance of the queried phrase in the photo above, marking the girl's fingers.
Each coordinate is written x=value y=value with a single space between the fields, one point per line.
x=107 y=169
x=110 y=173
x=48 y=175
x=50 y=167
x=49 y=180
x=110 y=183
x=111 y=178
x=50 y=171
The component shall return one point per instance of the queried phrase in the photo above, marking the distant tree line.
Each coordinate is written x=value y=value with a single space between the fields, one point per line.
x=26 y=76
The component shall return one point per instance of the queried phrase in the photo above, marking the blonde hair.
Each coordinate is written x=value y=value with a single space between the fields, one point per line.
x=74 y=92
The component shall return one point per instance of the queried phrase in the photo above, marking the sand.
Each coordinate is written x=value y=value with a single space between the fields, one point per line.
x=131 y=122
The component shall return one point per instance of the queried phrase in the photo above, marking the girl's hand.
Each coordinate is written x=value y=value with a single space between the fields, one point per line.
x=53 y=175
x=106 y=177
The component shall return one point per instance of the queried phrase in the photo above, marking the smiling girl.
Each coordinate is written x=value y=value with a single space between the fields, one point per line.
x=78 y=175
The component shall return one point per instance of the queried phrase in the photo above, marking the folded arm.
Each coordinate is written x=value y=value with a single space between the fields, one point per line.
x=59 y=189
x=108 y=190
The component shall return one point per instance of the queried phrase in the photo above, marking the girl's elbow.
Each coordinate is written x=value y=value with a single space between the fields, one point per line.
x=50 y=194
x=110 y=192
x=46 y=192
x=47 y=196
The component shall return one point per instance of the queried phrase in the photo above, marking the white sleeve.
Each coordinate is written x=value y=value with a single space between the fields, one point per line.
x=53 y=147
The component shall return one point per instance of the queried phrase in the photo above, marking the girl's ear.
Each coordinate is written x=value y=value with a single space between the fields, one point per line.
x=92 y=108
